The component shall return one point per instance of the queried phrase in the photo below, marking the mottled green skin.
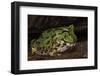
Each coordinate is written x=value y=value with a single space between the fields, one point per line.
x=51 y=38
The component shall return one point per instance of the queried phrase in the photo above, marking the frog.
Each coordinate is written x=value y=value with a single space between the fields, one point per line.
x=54 y=41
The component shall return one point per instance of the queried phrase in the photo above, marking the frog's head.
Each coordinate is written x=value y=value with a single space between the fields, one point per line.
x=69 y=33
x=66 y=38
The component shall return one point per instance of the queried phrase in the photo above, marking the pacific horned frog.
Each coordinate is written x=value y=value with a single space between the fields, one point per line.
x=54 y=41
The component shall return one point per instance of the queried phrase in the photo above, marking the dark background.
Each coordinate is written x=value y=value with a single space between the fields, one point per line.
x=38 y=23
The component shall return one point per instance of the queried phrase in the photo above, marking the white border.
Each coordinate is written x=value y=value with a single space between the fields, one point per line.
x=26 y=65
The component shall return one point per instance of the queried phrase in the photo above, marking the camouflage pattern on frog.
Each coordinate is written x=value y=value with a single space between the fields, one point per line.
x=54 y=41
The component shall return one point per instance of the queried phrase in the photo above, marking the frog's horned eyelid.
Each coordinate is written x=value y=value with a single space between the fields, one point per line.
x=65 y=30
